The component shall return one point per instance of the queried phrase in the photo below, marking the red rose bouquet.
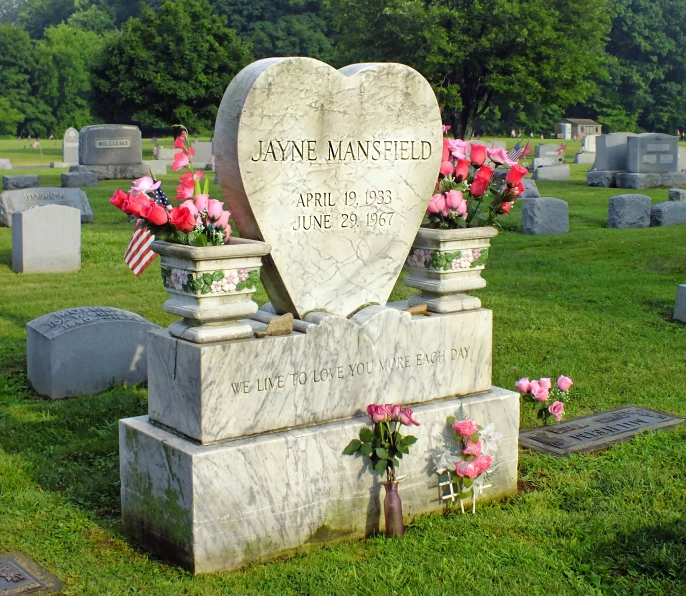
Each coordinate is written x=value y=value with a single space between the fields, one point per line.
x=465 y=180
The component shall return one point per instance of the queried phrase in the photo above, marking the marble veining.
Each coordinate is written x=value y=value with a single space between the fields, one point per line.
x=334 y=169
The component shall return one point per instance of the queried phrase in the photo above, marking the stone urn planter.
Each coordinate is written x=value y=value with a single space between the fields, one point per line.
x=211 y=287
x=444 y=264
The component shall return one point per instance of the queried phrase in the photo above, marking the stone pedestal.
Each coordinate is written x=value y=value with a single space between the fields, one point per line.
x=585 y=158
x=213 y=508
x=633 y=180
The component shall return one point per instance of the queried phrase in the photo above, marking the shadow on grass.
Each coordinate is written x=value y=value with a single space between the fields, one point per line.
x=6 y=257
x=71 y=444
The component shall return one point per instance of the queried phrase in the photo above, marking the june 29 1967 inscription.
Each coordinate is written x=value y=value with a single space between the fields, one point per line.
x=592 y=433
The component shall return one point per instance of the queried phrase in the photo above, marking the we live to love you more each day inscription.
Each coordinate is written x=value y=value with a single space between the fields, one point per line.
x=334 y=169
x=371 y=207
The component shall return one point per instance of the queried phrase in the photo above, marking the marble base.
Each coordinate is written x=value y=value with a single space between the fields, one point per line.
x=442 y=303
x=328 y=371
x=213 y=508
x=114 y=171
x=204 y=334
x=633 y=180
x=586 y=158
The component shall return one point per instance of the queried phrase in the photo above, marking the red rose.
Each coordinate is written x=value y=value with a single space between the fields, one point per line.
x=517 y=190
x=478 y=187
x=462 y=170
x=118 y=198
x=477 y=154
x=182 y=219
x=446 y=168
x=484 y=173
x=446 y=151
x=504 y=208
x=155 y=214
x=134 y=205
x=515 y=175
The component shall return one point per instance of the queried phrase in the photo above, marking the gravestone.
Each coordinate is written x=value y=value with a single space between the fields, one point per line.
x=530 y=189
x=611 y=150
x=12 y=201
x=546 y=150
x=166 y=154
x=82 y=351
x=547 y=161
x=677 y=194
x=203 y=153
x=112 y=151
x=79 y=179
x=595 y=432
x=655 y=180
x=19 y=182
x=651 y=153
x=21 y=575
x=682 y=159
x=628 y=211
x=587 y=156
x=70 y=147
x=557 y=173
x=335 y=169
x=5 y=164
x=679 y=313
x=46 y=240
x=669 y=213
x=544 y=216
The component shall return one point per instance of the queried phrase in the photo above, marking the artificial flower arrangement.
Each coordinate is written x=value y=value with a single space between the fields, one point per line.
x=464 y=182
x=384 y=445
x=540 y=392
x=469 y=462
x=197 y=221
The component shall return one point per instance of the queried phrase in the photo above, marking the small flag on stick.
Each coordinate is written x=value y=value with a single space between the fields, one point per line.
x=139 y=255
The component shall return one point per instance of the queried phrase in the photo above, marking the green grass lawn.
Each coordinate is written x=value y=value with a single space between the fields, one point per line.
x=594 y=304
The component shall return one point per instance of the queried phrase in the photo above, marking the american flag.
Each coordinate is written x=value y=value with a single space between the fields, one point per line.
x=561 y=148
x=517 y=152
x=139 y=255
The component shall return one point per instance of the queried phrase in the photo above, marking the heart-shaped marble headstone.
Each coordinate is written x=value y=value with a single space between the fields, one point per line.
x=334 y=169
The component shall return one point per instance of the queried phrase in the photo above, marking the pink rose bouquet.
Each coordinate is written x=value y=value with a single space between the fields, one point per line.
x=465 y=182
x=541 y=393
x=384 y=445
x=469 y=461
x=197 y=221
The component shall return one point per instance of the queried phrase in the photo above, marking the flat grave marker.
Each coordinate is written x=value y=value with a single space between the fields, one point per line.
x=595 y=432
x=21 y=575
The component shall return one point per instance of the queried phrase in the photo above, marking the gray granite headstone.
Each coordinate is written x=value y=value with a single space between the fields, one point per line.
x=611 y=151
x=628 y=211
x=530 y=189
x=110 y=144
x=669 y=213
x=651 y=153
x=12 y=201
x=680 y=304
x=167 y=154
x=592 y=433
x=557 y=173
x=544 y=216
x=548 y=160
x=203 y=153
x=70 y=146
x=79 y=179
x=19 y=182
x=604 y=178
x=46 y=240
x=677 y=194
x=81 y=351
x=546 y=150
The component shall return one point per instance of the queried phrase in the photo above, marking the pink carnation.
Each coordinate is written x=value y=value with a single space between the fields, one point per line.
x=472 y=448
x=465 y=428
x=466 y=468
x=483 y=463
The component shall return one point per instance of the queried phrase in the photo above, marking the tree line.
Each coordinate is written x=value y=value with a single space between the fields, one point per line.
x=495 y=65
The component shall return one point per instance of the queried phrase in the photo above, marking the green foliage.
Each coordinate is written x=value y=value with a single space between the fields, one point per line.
x=169 y=65
x=9 y=117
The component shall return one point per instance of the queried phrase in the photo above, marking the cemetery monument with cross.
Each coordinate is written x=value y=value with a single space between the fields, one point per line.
x=240 y=456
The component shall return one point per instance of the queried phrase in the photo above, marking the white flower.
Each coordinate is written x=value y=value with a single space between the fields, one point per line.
x=488 y=437
x=445 y=461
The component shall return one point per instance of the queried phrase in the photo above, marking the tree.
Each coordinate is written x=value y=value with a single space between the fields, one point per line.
x=38 y=15
x=481 y=54
x=9 y=117
x=169 y=66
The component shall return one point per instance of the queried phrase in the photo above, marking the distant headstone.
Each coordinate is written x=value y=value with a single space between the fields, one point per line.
x=628 y=211
x=545 y=216
x=557 y=173
x=81 y=351
x=589 y=143
x=650 y=153
x=46 y=240
x=70 y=147
x=611 y=151
x=584 y=158
x=546 y=150
x=595 y=432
x=166 y=154
x=203 y=153
x=677 y=194
x=680 y=304
x=530 y=189
x=19 y=182
x=159 y=168
x=79 y=179
x=110 y=144
x=556 y=159
x=12 y=201
x=5 y=164
x=115 y=172
x=682 y=159
x=669 y=213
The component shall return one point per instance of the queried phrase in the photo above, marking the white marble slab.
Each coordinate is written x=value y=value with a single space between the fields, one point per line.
x=334 y=169
x=220 y=391
x=213 y=508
